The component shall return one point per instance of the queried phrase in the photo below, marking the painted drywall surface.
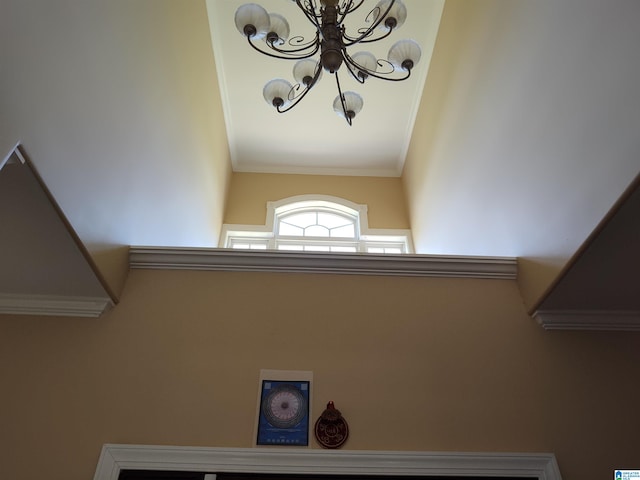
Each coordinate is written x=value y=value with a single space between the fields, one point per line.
x=250 y=192
x=413 y=364
x=118 y=106
x=39 y=256
x=7 y=142
x=537 y=99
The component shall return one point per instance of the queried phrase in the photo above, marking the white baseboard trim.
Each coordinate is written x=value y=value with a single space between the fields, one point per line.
x=114 y=458
x=53 y=305
x=296 y=262
x=588 y=320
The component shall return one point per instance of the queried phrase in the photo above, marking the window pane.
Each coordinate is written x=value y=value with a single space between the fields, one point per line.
x=374 y=247
x=249 y=244
x=317 y=248
x=345 y=231
x=316 y=231
x=290 y=247
x=302 y=220
x=344 y=249
x=290 y=230
x=331 y=220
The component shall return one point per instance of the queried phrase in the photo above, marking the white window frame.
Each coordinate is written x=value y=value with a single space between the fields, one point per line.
x=267 y=234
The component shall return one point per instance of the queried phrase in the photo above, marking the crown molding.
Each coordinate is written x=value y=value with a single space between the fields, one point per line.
x=53 y=305
x=296 y=262
x=588 y=320
x=541 y=466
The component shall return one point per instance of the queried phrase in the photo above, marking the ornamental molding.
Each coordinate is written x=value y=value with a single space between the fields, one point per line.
x=53 y=305
x=114 y=458
x=219 y=259
x=588 y=320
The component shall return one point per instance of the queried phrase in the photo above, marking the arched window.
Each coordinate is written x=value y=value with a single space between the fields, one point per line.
x=316 y=223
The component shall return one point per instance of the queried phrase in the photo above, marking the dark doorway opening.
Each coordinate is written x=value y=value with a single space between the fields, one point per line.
x=155 y=475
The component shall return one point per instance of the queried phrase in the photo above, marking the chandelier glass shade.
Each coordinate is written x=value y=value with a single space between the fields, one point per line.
x=328 y=49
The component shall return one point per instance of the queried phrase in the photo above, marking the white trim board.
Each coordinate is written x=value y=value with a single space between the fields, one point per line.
x=53 y=305
x=588 y=320
x=504 y=268
x=542 y=466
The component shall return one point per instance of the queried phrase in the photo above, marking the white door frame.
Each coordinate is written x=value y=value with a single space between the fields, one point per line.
x=542 y=466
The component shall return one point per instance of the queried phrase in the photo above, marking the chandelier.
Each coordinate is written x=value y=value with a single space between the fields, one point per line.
x=268 y=33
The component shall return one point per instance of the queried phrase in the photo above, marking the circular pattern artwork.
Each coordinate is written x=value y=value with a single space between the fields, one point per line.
x=284 y=406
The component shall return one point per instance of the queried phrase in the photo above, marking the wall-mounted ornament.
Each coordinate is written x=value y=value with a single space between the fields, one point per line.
x=331 y=428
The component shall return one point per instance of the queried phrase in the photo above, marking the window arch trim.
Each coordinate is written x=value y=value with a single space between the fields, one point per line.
x=310 y=201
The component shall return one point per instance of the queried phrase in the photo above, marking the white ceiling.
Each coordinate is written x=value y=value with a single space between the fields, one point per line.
x=311 y=138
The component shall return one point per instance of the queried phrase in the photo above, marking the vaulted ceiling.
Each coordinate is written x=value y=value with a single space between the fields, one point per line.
x=525 y=134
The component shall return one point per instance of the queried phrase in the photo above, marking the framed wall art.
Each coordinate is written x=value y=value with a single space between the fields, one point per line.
x=284 y=408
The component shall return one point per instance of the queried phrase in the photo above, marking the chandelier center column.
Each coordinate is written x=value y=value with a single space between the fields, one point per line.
x=331 y=44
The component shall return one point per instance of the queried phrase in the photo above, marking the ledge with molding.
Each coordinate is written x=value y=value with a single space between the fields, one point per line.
x=221 y=259
x=54 y=305
x=616 y=320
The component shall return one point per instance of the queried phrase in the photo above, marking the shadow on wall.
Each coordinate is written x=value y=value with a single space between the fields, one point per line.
x=46 y=270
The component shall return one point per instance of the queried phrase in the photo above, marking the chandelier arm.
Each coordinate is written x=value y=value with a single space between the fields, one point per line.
x=345 y=9
x=344 y=106
x=369 y=30
x=388 y=79
x=353 y=67
x=310 y=13
x=293 y=53
x=284 y=57
x=298 y=98
x=297 y=101
x=353 y=40
x=352 y=8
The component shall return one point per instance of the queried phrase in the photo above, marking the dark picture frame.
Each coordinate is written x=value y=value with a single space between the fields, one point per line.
x=283 y=418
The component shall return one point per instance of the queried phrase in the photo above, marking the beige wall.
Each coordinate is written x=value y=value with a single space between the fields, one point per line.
x=522 y=140
x=413 y=364
x=250 y=192
x=117 y=104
